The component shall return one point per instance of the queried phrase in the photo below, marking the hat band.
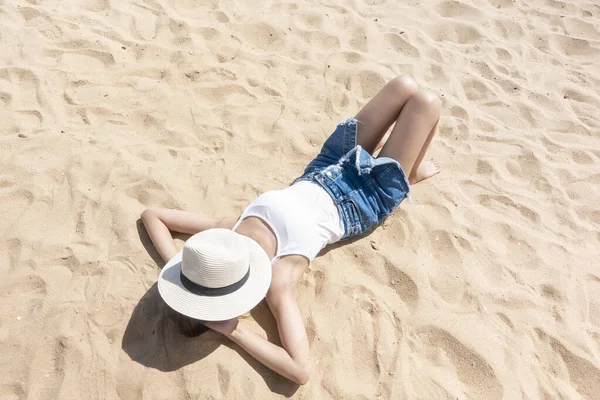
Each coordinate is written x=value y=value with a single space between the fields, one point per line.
x=207 y=291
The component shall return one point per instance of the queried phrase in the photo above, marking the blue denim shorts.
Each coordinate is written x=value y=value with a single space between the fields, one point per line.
x=365 y=189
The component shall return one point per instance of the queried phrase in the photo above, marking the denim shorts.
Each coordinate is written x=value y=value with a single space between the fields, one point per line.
x=365 y=189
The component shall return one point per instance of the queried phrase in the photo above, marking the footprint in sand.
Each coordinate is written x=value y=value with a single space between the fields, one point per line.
x=399 y=44
x=457 y=9
x=454 y=31
x=477 y=379
x=582 y=373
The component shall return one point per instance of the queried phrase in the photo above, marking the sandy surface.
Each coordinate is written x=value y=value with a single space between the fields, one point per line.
x=487 y=286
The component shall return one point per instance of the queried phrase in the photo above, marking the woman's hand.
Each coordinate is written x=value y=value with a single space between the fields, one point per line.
x=225 y=327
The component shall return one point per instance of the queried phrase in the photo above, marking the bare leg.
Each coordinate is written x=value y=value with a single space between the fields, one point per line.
x=413 y=133
x=424 y=169
x=376 y=117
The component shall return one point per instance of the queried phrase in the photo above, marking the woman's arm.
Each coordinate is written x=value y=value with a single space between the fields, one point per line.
x=160 y=221
x=291 y=361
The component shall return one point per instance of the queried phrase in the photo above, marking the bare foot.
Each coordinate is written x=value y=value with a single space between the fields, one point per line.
x=425 y=170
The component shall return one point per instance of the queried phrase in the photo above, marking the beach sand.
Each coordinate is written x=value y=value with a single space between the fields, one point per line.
x=486 y=286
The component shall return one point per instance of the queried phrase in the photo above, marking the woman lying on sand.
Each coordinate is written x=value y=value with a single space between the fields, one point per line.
x=231 y=264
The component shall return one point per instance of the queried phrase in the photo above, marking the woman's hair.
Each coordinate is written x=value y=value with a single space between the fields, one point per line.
x=187 y=326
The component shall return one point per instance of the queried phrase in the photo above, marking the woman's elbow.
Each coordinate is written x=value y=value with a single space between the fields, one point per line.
x=301 y=378
x=148 y=213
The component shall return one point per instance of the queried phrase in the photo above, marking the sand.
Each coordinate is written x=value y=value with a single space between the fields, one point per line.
x=487 y=286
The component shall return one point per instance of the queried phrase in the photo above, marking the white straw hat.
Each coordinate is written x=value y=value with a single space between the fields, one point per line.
x=219 y=275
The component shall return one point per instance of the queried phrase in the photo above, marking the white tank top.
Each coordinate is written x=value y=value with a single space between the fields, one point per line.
x=302 y=216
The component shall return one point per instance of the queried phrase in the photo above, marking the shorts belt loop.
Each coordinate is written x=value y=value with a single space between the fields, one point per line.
x=350 y=129
x=363 y=166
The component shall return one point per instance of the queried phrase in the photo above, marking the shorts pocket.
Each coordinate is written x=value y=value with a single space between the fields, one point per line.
x=350 y=213
x=367 y=204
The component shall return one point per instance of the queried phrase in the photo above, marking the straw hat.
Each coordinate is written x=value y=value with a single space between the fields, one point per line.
x=219 y=275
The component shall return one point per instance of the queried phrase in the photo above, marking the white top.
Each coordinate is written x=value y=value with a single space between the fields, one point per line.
x=303 y=217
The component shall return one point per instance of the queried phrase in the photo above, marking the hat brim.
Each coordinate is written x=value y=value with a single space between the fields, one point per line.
x=217 y=308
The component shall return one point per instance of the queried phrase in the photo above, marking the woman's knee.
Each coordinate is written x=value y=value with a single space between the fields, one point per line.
x=427 y=101
x=403 y=85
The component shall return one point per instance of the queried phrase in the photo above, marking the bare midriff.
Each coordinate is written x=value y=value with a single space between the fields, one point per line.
x=258 y=230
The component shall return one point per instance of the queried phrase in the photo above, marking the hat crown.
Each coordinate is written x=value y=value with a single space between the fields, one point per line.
x=215 y=258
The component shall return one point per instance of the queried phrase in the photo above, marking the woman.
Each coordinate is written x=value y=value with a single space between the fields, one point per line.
x=225 y=270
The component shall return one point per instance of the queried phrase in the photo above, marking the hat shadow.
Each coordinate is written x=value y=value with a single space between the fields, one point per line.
x=155 y=341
